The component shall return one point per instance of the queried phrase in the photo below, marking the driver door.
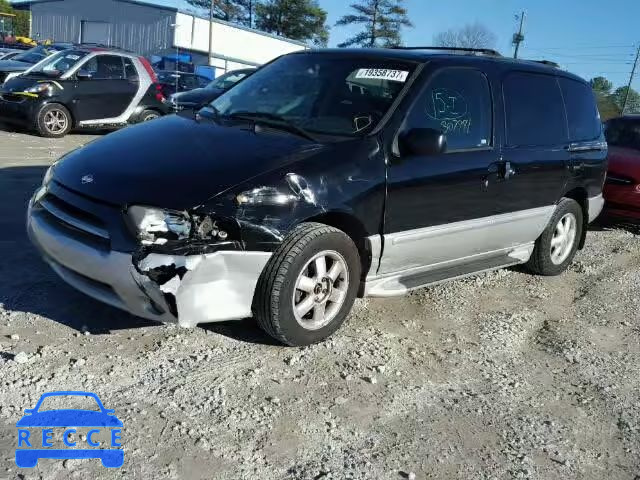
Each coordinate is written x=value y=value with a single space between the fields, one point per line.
x=439 y=207
x=108 y=93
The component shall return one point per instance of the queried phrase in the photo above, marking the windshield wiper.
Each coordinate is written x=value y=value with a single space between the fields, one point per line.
x=273 y=120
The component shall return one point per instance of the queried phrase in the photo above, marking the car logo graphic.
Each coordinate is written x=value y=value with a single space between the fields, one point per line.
x=87 y=179
x=37 y=439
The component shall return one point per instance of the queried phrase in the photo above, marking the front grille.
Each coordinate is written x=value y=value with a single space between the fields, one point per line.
x=79 y=223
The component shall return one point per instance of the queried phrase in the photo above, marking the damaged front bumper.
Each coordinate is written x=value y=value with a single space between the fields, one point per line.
x=194 y=289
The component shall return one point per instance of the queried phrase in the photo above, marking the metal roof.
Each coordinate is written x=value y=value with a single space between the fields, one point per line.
x=178 y=5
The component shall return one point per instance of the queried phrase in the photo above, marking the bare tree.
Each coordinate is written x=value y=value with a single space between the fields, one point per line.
x=473 y=35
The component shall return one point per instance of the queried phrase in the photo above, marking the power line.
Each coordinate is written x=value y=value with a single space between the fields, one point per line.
x=633 y=71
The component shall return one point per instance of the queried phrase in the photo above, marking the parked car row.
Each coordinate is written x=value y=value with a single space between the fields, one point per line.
x=327 y=175
x=59 y=87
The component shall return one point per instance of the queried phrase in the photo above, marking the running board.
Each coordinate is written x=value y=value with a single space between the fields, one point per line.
x=400 y=284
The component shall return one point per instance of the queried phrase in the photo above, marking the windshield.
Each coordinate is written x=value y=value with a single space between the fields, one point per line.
x=37 y=54
x=320 y=93
x=228 y=80
x=59 y=64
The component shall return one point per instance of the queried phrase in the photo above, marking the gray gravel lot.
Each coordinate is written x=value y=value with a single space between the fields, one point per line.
x=504 y=375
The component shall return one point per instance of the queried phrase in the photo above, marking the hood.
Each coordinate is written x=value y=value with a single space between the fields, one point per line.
x=69 y=418
x=14 y=66
x=18 y=84
x=198 y=96
x=176 y=161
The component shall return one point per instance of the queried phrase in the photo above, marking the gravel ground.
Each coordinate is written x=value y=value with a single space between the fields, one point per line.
x=504 y=375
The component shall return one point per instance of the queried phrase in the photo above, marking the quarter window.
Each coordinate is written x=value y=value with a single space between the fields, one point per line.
x=534 y=110
x=582 y=111
x=457 y=102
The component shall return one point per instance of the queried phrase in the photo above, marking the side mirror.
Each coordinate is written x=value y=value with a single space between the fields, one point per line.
x=83 y=74
x=422 y=141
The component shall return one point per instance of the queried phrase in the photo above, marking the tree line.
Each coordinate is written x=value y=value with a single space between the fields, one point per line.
x=21 y=23
x=380 y=21
x=610 y=101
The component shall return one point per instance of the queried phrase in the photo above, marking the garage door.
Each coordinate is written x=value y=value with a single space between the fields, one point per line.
x=96 y=32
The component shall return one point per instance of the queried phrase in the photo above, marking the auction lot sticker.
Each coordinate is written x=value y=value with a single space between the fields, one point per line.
x=382 y=74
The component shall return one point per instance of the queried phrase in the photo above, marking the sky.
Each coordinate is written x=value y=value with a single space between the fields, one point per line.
x=587 y=37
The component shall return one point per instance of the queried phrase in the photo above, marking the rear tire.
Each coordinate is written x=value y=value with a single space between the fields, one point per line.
x=558 y=244
x=148 y=115
x=53 y=121
x=308 y=287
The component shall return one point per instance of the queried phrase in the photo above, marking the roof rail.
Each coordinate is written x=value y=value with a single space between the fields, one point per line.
x=484 y=51
x=102 y=45
x=547 y=62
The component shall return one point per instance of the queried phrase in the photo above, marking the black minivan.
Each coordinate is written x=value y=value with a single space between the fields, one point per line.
x=324 y=176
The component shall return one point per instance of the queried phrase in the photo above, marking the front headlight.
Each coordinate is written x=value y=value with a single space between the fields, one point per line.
x=155 y=226
x=39 y=88
x=46 y=180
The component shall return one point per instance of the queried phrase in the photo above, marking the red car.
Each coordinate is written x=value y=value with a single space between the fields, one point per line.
x=622 y=188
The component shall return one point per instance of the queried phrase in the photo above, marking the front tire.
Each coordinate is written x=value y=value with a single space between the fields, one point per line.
x=308 y=287
x=53 y=121
x=558 y=244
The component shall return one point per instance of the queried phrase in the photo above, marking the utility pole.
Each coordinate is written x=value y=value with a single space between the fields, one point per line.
x=210 y=62
x=518 y=38
x=633 y=72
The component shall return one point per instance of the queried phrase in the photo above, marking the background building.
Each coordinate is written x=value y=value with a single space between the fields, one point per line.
x=153 y=27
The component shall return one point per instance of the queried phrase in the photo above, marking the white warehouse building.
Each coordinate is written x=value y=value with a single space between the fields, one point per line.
x=154 y=27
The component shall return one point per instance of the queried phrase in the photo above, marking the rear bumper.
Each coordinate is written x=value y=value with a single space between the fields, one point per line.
x=213 y=287
x=622 y=200
x=595 y=207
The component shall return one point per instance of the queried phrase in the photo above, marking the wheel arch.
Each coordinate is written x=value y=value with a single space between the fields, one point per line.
x=57 y=101
x=354 y=228
x=579 y=194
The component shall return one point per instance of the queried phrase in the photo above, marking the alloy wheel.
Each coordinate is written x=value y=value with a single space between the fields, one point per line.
x=320 y=290
x=564 y=237
x=55 y=121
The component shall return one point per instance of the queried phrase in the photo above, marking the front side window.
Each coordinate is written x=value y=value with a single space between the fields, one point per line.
x=457 y=102
x=59 y=64
x=105 y=67
x=582 y=110
x=130 y=71
x=534 y=110
x=321 y=93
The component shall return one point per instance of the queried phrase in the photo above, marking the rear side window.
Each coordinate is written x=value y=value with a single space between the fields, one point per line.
x=457 y=101
x=582 y=111
x=534 y=110
x=623 y=133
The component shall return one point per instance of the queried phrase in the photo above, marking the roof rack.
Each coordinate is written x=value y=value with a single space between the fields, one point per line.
x=547 y=62
x=484 y=51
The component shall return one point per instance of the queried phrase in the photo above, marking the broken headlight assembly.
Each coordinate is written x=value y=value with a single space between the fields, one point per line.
x=156 y=226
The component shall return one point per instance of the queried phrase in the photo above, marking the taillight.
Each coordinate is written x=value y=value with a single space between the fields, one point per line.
x=159 y=94
x=638 y=188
